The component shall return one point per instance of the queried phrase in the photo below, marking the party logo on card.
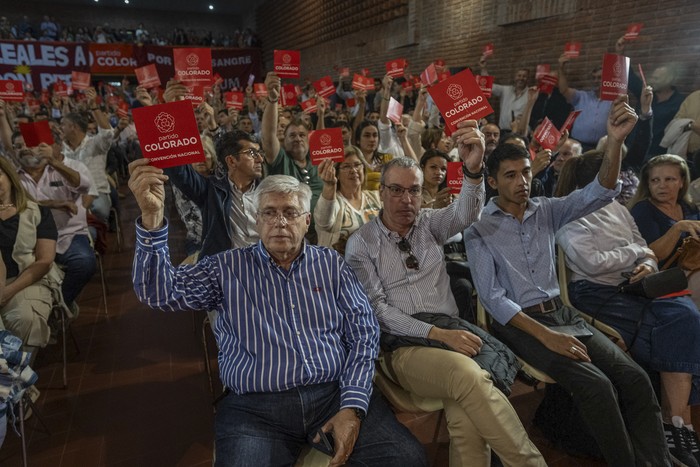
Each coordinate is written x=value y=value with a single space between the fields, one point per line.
x=192 y=60
x=286 y=58
x=454 y=91
x=164 y=122
x=325 y=139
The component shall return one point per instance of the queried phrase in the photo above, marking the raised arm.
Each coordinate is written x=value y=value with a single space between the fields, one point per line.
x=270 y=143
x=621 y=121
x=563 y=85
x=386 y=96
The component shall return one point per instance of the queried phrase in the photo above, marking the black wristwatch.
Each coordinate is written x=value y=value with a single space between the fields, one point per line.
x=473 y=175
x=360 y=414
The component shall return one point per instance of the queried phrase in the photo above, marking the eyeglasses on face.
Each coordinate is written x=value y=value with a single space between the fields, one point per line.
x=397 y=191
x=253 y=153
x=411 y=260
x=270 y=216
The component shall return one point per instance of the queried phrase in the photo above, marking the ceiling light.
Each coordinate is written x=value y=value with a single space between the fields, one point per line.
x=211 y=7
x=126 y=1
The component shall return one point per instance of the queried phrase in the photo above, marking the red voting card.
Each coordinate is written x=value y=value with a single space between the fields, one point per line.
x=429 y=75
x=60 y=88
x=541 y=70
x=633 y=31
x=365 y=72
x=572 y=49
x=195 y=94
x=455 y=177
x=350 y=102
x=287 y=63
x=148 y=76
x=36 y=133
x=123 y=110
x=416 y=82
x=616 y=70
x=547 y=134
x=394 y=111
x=289 y=95
x=324 y=86
x=485 y=84
x=260 y=89
x=459 y=98
x=488 y=50
x=217 y=79
x=547 y=83
x=11 y=90
x=362 y=82
x=569 y=122
x=439 y=65
x=80 y=80
x=407 y=85
x=345 y=72
x=326 y=144
x=234 y=100
x=395 y=68
x=641 y=75
x=193 y=66
x=168 y=134
x=443 y=76
x=309 y=106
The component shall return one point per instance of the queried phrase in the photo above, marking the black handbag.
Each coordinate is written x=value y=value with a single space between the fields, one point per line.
x=657 y=284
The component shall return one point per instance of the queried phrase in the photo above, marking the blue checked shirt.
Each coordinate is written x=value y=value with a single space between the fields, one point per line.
x=276 y=329
x=512 y=263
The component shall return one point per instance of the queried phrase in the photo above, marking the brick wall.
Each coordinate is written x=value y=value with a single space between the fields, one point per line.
x=456 y=30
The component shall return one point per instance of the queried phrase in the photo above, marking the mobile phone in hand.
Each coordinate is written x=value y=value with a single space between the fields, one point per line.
x=326 y=440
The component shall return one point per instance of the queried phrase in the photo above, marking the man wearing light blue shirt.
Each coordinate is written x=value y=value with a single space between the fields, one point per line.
x=511 y=251
x=296 y=334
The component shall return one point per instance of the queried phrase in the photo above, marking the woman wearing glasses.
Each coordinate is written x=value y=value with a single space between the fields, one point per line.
x=343 y=206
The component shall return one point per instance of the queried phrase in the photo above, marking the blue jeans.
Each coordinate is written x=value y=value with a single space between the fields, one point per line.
x=270 y=429
x=665 y=331
x=79 y=264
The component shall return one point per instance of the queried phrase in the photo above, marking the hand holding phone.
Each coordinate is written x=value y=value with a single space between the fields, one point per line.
x=326 y=439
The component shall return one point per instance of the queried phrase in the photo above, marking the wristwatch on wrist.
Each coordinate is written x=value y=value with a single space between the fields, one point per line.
x=272 y=101
x=360 y=414
x=474 y=175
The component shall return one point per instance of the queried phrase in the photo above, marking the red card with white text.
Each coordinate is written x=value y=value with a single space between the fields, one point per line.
x=572 y=49
x=547 y=83
x=416 y=82
x=459 y=98
x=168 y=134
x=288 y=95
x=488 y=50
x=443 y=76
x=326 y=144
x=11 y=90
x=309 y=106
x=193 y=66
x=569 y=122
x=260 y=89
x=148 y=76
x=547 y=134
x=616 y=70
x=394 y=111
x=287 y=63
x=455 y=177
x=324 y=86
x=429 y=75
x=395 y=68
x=123 y=110
x=80 y=80
x=439 y=65
x=195 y=94
x=60 y=88
x=633 y=31
x=36 y=133
x=234 y=100
x=541 y=70
x=362 y=82
x=485 y=84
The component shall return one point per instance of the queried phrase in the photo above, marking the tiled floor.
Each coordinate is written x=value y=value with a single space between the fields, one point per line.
x=137 y=391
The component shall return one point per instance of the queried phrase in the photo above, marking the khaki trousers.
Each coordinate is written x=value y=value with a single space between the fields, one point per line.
x=478 y=414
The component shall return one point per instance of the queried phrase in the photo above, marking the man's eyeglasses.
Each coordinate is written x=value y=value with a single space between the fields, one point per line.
x=397 y=191
x=253 y=153
x=270 y=216
x=411 y=260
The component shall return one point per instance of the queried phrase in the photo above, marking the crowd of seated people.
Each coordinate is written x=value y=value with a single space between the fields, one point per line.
x=49 y=29
x=415 y=247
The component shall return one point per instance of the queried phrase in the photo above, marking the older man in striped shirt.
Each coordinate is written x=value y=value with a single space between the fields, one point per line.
x=296 y=333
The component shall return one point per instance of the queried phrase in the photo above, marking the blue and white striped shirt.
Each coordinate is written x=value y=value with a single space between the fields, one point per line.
x=276 y=329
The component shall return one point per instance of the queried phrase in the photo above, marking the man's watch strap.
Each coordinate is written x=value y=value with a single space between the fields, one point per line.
x=360 y=414
x=474 y=175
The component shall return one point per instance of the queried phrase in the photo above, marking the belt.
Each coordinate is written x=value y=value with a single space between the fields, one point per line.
x=454 y=247
x=547 y=306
